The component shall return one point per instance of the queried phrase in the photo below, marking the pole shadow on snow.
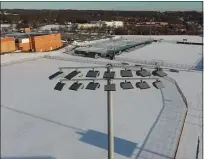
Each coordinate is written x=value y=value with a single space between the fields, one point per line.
x=98 y=139
x=123 y=147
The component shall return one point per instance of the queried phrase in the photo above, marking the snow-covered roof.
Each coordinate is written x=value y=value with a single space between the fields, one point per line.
x=105 y=45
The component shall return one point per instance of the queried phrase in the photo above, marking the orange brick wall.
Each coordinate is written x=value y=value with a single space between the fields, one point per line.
x=7 y=45
x=46 y=42
x=37 y=44
x=25 y=47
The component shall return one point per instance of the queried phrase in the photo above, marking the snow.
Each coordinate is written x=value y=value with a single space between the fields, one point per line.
x=191 y=85
x=167 y=52
x=89 y=60
x=5 y=25
x=52 y=26
x=19 y=56
x=119 y=40
x=85 y=43
x=58 y=124
x=15 y=57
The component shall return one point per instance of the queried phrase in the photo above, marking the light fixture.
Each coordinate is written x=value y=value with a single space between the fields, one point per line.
x=59 y=86
x=126 y=73
x=142 y=85
x=143 y=73
x=72 y=74
x=126 y=85
x=159 y=72
x=76 y=86
x=56 y=74
x=158 y=84
x=93 y=86
x=109 y=74
x=110 y=87
x=92 y=73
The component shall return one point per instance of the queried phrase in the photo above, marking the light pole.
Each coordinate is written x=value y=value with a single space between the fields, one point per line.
x=109 y=76
x=110 y=120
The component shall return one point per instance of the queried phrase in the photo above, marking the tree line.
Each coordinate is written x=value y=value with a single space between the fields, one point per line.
x=36 y=18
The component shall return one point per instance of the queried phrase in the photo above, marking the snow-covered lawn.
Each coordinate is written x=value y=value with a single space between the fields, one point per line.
x=38 y=121
x=167 y=52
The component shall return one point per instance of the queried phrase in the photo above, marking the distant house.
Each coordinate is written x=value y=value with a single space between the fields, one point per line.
x=114 y=24
x=87 y=25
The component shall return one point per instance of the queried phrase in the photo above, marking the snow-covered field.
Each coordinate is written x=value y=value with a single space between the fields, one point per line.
x=167 y=52
x=64 y=124
x=19 y=56
x=12 y=57
x=38 y=121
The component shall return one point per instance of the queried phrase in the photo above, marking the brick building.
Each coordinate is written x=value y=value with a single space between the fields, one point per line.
x=34 y=42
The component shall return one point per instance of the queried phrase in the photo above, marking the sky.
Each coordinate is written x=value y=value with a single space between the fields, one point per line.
x=134 y=6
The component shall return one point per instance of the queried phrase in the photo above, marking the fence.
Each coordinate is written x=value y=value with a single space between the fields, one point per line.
x=178 y=88
x=20 y=61
x=80 y=60
x=186 y=103
x=163 y=64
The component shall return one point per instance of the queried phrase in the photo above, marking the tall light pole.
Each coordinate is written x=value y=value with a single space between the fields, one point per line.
x=110 y=120
x=109 y=76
